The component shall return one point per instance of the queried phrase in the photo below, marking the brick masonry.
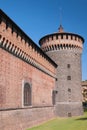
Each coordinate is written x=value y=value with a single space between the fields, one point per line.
x=21 y=61
x=13 y=73
x=66 y=49
x=25 y=118
x=68 y=101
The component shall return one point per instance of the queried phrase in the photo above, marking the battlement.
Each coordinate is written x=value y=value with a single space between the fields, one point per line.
x=15 y=41
x=61 y=40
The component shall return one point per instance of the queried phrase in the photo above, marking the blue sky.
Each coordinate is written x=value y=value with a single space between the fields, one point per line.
x=41 y=17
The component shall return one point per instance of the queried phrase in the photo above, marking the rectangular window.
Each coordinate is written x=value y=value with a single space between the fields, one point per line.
x=69 y=114
x=69 y=90
x=68 y=77
x=68 y=65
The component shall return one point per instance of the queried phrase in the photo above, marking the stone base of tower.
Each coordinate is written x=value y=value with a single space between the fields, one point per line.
x=68 y=109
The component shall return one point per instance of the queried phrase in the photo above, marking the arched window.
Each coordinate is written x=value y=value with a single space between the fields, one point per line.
x=27 y=94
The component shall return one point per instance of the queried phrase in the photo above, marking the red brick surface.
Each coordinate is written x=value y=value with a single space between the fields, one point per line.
x=13 y=72
x=22 y=61
x=25 y=118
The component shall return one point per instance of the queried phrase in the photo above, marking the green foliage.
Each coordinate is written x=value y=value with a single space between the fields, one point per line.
x=73 y=123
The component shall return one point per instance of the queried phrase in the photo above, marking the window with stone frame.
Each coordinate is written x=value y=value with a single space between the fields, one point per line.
x=27 y=94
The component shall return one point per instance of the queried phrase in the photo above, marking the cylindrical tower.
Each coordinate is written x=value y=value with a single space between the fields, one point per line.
x=66 y=49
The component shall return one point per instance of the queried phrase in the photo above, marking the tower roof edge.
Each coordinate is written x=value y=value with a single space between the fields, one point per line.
x=61 y=33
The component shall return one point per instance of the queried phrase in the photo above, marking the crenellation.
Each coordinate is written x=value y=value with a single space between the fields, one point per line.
x=59 y=36
x=63 y=43
x=73 y=37
x=14 y=35
x=9 y=27
x=47 y=39
x=50 y=38
x=23 y=40
x=69 y=37
x=7 y=24
x=2 y=26
x=64 y=37
x=8 y=32
x=77 y=39
x=13 y=48
x=19 y=38
x=3 y=20
x=54 y=37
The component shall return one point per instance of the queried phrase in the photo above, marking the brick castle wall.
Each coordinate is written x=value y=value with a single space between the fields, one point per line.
x=13 y=73
x=21 y=61
x=25 y=118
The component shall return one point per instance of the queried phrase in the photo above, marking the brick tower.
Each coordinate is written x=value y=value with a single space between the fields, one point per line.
x=66 y=49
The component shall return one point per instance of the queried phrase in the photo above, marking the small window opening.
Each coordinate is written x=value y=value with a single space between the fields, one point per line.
x=68 y=77
x=54 y=92
x=69 y=114
x=69 y=90
x=68 y=65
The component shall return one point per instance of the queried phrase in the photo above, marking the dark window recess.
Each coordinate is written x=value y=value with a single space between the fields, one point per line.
x=68 y=65
x=27 y=95
x=69 y=114
x=68 y=77
x=69 y=90
x=54 y=92
x=56 y=79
